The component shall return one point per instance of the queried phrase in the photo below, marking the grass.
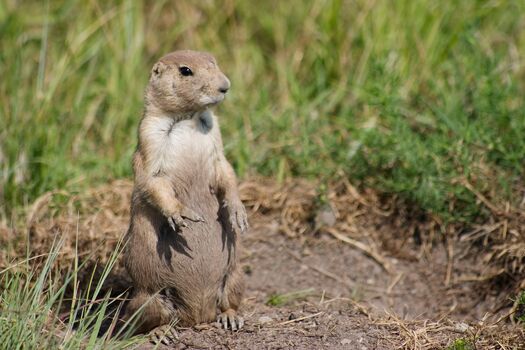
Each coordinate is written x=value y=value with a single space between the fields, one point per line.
x=39 y=312
x=406 y=97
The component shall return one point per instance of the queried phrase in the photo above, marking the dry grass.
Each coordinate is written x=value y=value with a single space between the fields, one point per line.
x=445 y=333
x=96 y=219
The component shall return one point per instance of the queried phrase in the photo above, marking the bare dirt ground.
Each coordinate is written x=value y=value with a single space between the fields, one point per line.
x=337 y=270
x=335 y=297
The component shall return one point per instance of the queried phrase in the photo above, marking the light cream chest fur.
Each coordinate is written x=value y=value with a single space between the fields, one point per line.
x=176 y=147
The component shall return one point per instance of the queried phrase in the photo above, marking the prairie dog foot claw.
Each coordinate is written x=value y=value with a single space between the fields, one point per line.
x=230 y=320
x=238 y=216
x=165 y=334
x=178 y=220
x=188 y=214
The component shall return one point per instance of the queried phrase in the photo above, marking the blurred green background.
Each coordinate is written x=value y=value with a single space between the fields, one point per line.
x=418 y=99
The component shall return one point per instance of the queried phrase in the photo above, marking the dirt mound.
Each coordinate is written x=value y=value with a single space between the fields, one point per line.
x=325 y=268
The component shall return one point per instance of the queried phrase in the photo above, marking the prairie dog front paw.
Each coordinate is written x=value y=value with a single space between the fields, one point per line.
x=237 y=214
x=179 y=220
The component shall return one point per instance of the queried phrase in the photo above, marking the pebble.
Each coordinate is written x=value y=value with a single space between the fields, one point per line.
x=325 y=217
x=462 y=327
x=265 y=319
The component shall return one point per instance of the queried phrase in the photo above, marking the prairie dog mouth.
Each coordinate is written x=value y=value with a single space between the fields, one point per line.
x=211 y=101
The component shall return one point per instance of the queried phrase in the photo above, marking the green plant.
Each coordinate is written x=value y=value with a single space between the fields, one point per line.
x=38 y=313
x=410 y=98
x=283 y=299
x=461 y=344
x=519 y=303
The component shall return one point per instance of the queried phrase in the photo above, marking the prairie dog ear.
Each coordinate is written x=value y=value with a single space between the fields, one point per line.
x=158 y=69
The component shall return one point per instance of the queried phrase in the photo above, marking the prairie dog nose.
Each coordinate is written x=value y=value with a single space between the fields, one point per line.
x=225 y=85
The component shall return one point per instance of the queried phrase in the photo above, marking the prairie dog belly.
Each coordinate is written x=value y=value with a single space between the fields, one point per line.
x=199 y=255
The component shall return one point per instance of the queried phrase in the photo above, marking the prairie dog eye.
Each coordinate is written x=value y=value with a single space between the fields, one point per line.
x=185 y=71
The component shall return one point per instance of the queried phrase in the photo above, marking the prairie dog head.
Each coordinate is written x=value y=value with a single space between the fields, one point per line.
x=184 y=82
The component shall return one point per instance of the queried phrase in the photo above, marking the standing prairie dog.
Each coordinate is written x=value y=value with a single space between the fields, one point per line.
x=186 y=213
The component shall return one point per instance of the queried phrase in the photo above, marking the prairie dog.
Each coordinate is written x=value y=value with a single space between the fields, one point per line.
x=186 y=214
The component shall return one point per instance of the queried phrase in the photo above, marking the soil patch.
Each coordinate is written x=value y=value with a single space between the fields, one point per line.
x=321 y=294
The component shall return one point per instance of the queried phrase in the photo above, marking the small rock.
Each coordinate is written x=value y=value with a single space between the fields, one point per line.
x=265 y=319
x=462 y=327
x=346 y=341
x=325 y=217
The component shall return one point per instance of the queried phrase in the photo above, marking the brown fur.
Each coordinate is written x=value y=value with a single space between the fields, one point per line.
x=186 y=213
